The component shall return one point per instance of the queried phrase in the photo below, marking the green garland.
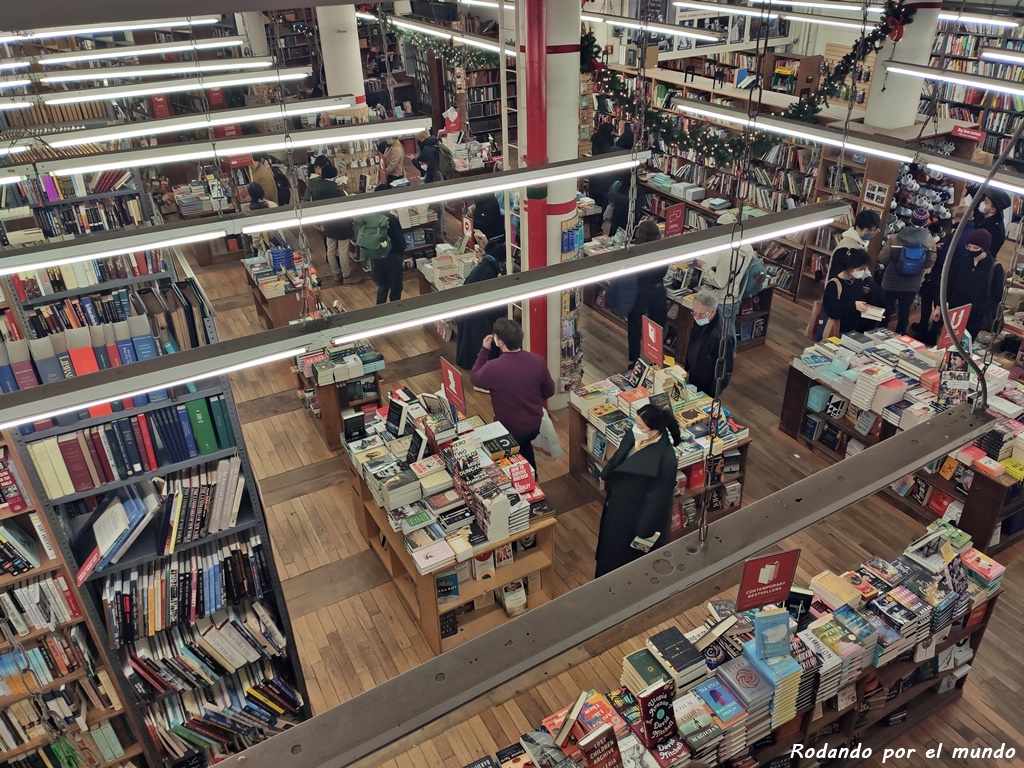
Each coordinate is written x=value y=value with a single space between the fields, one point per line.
x=590 y=52
x=895 y=18
x=465 y=56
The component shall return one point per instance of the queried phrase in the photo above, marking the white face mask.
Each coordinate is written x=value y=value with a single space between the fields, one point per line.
x=861 y=274
x=639 y=435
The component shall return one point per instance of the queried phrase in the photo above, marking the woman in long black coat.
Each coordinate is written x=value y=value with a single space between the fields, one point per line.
x=640 y=483
x=471 y=329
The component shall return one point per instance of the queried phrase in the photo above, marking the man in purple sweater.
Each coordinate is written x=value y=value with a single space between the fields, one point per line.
x=519 y=382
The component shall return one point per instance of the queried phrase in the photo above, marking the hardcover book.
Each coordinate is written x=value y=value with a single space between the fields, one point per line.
x=656 y=720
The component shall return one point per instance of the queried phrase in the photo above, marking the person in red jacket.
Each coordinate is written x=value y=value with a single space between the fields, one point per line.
x=519 y=383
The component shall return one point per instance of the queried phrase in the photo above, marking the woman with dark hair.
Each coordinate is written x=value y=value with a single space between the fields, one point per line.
x=603 y=139
x=843 y=294
x=258 y=198
x=640 y=482
x=488 y=219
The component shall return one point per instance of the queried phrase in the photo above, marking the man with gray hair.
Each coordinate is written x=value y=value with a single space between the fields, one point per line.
x=705 y=343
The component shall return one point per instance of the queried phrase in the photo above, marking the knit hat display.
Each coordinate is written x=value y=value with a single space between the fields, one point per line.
x=982 y=239
x=920 y=217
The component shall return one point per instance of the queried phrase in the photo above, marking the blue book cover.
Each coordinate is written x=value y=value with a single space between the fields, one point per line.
x=125 y=348
x=7 y=381
x=50 y=370
x=89 y=309
x=170 y=347
x=771 y=632
x=186 y=431
x=775 y=668
x=120 y=297
x=145 y=348
x=721 y=701
x=218 y=582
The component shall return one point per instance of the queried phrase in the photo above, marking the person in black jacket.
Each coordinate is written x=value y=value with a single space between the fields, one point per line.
x=650 y=294
x=843 y=298
x=471 y=329
x=705 y=344
x=428 y=162
x=387 y=270
x=989 y=216
x=639 y=482
x=976 y=278
x=618 y=191
x=603 y=139
x=488 y=219
x=338 y=234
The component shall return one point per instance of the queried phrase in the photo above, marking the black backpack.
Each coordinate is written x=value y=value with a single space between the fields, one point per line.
x=284 y=189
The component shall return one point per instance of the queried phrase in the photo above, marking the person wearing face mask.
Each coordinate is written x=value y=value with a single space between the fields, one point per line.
x=867 y=224
x=975 y=278
x=705 y=344
x=841 y=300
x=989 y=216
x=519 y=383
x=639 y=483
x=906 y=261
x=471 y=329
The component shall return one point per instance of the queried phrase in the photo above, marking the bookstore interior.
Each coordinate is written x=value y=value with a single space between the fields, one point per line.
x=330 y=378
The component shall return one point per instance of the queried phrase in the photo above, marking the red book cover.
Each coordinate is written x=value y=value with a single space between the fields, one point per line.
x=695 y=475
x=669 y=751
x=657 y=721
x=147 y=440
x=143 y=455
x=94 y=456
x=939 y=501
x=83 y=360
x=86 y=569
x=74 y=460
x=19 y=288
x=600 y=749
x=69 y=596
x=598 y=711
x=102 y=464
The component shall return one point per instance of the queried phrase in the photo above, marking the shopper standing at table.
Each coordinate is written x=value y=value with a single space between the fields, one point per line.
x=338 y=234
x=723 y=275
x=976 y=278
x=650 y=294
x=394 y=159
x=472 y=329
x=842 y=299
x=618 y=192
x=706 y=343
x=603 y=139
x=263 y=174
x=989 y=216
x=906 y=257
x=381 y=242
x=519 y=383
x=428 y=162
x=639 y=484
x=867 y=224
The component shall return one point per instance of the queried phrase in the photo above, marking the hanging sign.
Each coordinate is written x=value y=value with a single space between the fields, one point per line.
x=958 y=317
x=451 y=384
x=674 y=217
x=651 y=348
x=767 y=579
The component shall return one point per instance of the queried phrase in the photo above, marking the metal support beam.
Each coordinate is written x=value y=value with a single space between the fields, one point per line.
x=396 y=708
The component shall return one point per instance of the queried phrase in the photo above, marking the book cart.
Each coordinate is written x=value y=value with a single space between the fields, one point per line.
x=987 y=505
x=73 y=483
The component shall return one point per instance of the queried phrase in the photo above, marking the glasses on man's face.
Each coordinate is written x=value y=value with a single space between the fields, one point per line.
x=698 y=315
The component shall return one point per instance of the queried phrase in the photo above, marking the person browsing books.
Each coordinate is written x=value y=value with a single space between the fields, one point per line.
x=976 y=278
x=639 y=483
x=842 y=300
x=650 y=294
x=471 y=329
x=907 y=258
x=519 y=383
x=706 y=343
x=338 y=234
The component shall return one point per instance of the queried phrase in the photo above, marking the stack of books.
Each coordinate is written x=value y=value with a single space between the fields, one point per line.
x=869 y=378
x=830 y=668
x=811 y=665
x=400 y=488
x=844 y=644
x=784 y=673
x=983 y=570
x=641 y=669
x=697 y=727
x=678 y=657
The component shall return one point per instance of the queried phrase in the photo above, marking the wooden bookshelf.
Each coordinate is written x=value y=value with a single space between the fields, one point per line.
x=418 y=591
x=990 y=502
x=333 y=400
x=144 y=554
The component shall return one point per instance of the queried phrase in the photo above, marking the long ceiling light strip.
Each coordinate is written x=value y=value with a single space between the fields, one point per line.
x=972 y=18
x=198 y=122
x=16 y=83
x=732 y=10
x=8 y=65
x=138 y=51
x=10 y=179
x=363 y=206
x=225 y=357
x=951 y=167
x=104 y=29
x=173 y=86
x=103 y=246
x=828 y=21
x=156 y=70
x=442 y=32
x=222 y=371
x=795 y=130
x=1004 y=55
x=956 y=78
x=819 y=5
x=223 y=148
x=659 y=29
x=11 y=103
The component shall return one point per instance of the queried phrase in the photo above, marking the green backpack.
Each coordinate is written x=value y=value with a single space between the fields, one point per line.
x=445 y=161
x=372 y=236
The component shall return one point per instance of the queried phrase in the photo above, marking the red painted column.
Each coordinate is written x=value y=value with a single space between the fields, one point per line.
x=536 y=154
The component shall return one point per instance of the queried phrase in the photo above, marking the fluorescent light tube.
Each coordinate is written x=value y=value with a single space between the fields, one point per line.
x=661 y=29
x=136 y=51
x=1004 y=55
x=5 y=65
x=157 y=70
x=487 y=4
x=101 y=29
x=12 y=149
x=277 y=356
x=725 y=10
x=198 y=122
x=222 y=148
x=173 y=86
x=957 y=78
x=828 y=21
x=794 y=129
x=15 y=83
x=10 y=179
x=971 y=18
x=7 y=268
x=434 y=193
x=10 y=103
x=607 y=273
x=949 y=167
x=822 y=6
x=425 y=29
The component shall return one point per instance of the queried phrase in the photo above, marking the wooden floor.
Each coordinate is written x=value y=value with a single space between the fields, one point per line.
x=353 y=633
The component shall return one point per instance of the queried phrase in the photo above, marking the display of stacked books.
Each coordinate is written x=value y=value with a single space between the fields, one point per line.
x=783 y=673
x=678 y=656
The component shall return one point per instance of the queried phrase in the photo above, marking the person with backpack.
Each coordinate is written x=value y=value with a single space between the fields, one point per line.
x=381 y=243
x=338 y=233
x=263 y=174
x=428 y=162
x=906 y=262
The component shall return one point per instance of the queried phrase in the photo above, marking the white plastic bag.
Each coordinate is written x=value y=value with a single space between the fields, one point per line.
x=547 y=441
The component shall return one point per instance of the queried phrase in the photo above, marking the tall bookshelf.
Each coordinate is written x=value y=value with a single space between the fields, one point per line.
x=92 y=693
x=208 y=522
x=957 y=48
x=292 y=48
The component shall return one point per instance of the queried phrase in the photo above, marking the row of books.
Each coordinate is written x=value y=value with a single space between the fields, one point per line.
x=239 y=710
x=80 y=461
x=82 y=274
x=19 y=553
x=22 y=722
x=41 y=603
x=194 y=657
x=12 y=497
x=50 y=658
x=84 y=312
x=176 y=590
x=104 y=215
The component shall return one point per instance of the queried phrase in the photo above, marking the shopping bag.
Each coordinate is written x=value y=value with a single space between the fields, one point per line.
x=547 y=441
x=821 y=326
